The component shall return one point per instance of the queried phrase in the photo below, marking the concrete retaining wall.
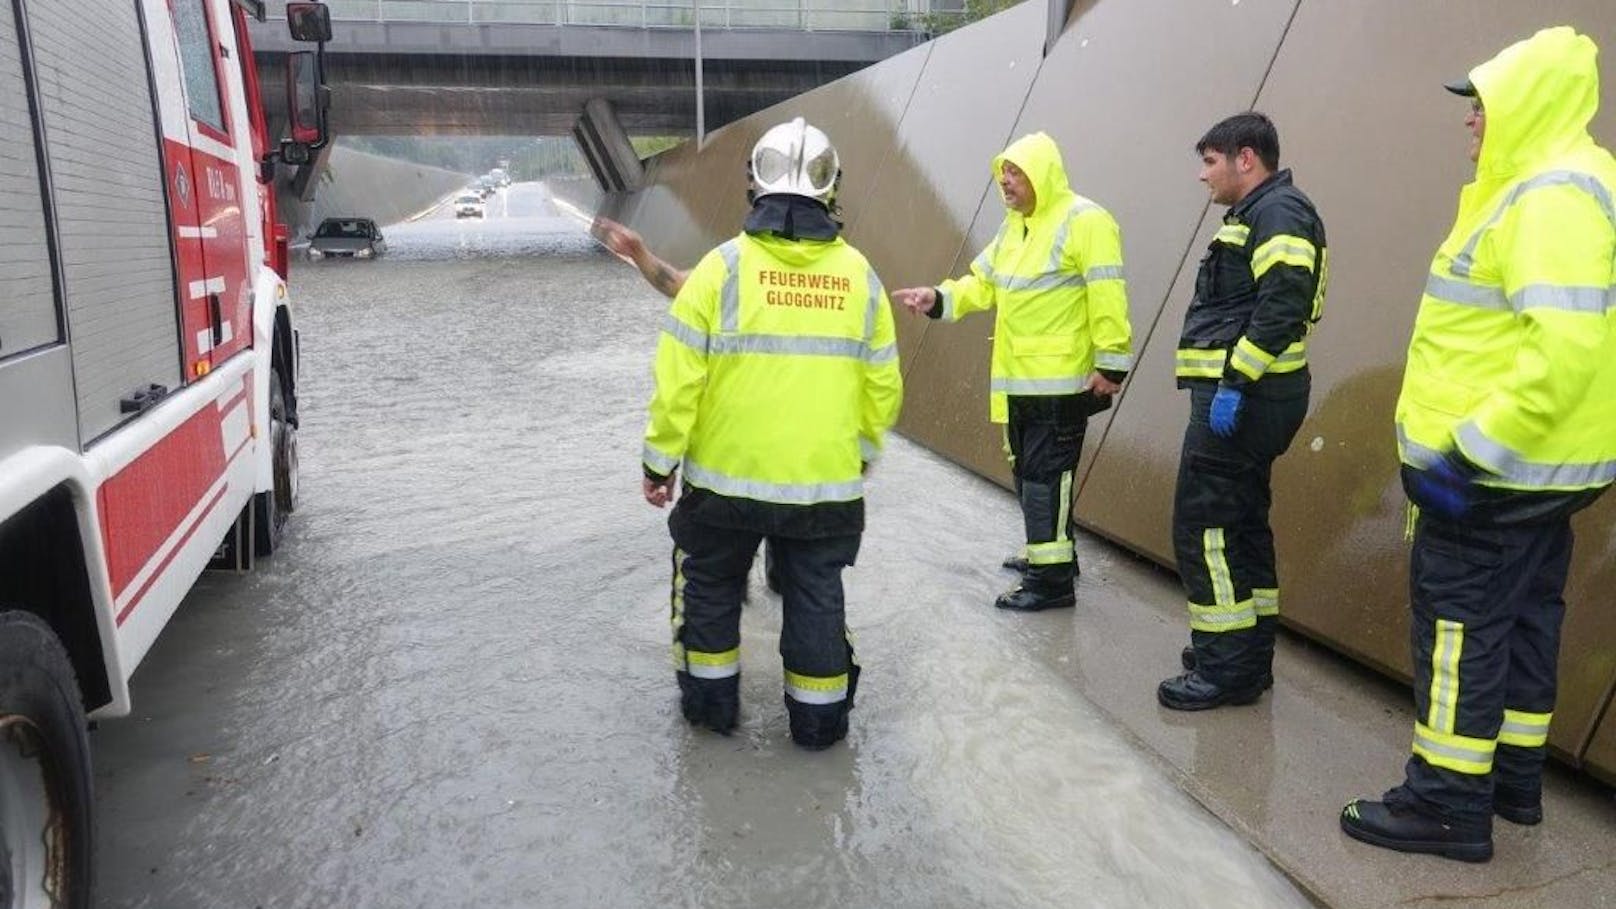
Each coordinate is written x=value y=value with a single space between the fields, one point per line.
x=372 y=186
x=1356 y=91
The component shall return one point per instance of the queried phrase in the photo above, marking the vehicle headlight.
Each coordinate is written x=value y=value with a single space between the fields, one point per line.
x=365 y=253
x=315 y=253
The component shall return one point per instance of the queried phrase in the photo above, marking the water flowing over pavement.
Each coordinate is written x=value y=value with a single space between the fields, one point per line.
x=452 y=687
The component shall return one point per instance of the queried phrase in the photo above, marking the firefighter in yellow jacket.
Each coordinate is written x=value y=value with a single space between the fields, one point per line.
x=776 y=381
x=1506 y=426
x=1061 y=347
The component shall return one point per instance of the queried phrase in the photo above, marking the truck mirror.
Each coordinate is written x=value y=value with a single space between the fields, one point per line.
x=303 y=97
x=309 y=22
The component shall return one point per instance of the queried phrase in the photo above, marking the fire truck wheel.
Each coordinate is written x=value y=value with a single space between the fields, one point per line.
x=45 y=801
x=274 y=507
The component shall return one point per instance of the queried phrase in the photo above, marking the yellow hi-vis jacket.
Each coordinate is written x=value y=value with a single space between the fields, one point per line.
x=1513 y=358
x=1056 y=277
x=776 y=374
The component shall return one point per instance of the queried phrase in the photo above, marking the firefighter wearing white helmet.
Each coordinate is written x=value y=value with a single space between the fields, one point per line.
x=776 y=381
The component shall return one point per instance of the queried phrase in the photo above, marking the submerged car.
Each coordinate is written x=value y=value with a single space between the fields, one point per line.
x=354 y=238
x=468 y=206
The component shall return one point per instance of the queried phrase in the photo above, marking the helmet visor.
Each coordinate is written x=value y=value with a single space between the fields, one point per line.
x=821 y=171
x=771 y=166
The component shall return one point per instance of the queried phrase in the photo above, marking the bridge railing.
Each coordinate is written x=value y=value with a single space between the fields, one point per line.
x=808 y=15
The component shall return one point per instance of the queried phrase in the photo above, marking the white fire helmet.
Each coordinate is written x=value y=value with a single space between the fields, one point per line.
x=795 y=159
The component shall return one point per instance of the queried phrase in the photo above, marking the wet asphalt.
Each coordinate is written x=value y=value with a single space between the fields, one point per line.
x=452 y=686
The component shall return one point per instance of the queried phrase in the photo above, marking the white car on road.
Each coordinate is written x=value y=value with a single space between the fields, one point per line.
x=468 y=206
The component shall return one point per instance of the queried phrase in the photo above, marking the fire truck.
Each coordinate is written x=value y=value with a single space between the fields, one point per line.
x=148 y=367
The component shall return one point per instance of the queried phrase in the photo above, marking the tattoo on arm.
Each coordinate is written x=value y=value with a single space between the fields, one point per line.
x=664 y=278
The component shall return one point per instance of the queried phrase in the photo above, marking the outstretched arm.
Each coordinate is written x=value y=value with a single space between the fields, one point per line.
x=628 y=245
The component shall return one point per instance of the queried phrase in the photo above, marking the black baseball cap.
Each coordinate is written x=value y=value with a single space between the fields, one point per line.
x=1461 y=87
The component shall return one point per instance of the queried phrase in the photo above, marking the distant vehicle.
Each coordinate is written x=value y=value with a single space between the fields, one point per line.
x=351 y=238
x=500 y=177
x=469 y=206
x=486 y=186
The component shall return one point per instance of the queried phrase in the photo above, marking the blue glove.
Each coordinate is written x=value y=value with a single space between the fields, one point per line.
x=1226 y=410
x=1443 y=489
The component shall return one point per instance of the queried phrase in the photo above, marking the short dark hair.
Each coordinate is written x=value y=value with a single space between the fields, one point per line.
x=1251 y=130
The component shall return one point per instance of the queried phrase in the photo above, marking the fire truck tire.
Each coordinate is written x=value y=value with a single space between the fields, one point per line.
x=46 y=833
x=275 y=506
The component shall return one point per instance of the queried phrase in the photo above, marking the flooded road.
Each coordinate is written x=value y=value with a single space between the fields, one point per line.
x=452 y=686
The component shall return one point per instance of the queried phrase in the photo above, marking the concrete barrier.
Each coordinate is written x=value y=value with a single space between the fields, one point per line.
x=1356 y=91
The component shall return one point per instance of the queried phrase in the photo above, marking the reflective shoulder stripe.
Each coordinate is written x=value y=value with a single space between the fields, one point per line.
x=730 y=305
x=1465 y=262
x=698 y=341
x=871 y=308
x=765 y=491
x=658 y=461
x=1283 y=249
x=1065 y=231
x=1233 y=234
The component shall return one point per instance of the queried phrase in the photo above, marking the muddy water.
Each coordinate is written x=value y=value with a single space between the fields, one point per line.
x=452 y=686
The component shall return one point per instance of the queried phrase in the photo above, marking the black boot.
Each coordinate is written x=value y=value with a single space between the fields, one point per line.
x=1193 y=691
x=1187 y=657
x=1395 y=824
x=1016 y=563
x=1518 y=806
x=1026 y=598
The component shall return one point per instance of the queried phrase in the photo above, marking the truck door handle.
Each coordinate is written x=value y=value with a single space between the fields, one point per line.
x=217 y=316
x=142 y=398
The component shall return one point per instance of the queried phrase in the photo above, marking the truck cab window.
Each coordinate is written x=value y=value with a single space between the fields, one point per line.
x=196 y=56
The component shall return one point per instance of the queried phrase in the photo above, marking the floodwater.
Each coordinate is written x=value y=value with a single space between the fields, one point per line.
x=452 y=687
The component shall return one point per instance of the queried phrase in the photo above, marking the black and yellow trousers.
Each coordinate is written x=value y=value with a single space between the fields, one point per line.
x=711 y=563
x=1485 y=635
x=1044 y=438
x=1222 y=540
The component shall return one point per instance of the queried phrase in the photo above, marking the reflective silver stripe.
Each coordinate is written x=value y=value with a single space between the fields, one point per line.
x=684 y=334
x=1463 y=293
x=1038 y=282
x=702 y=671
x=1076 y=208
x=790 y=344
x=1104 y=273
x=1517 y=728
x=1415 y=454
x=1466 y=261
x=1594 y=300
x=1241 y=355
x=882 y=354
x=1290 y=356
x=1115 y=361
x=809 y=696
x=876 y=292
x=1064 y=386
x=1469 y=755
x=730 y=313
x=764 y=491
x=948 y=303
x=1508 y=465
x=658 y=461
